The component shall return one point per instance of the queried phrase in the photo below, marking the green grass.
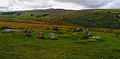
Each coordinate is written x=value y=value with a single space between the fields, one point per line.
x=69 y=46
x=23 y=15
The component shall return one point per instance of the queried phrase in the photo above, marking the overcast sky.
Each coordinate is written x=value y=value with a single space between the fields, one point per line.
x=15 y=5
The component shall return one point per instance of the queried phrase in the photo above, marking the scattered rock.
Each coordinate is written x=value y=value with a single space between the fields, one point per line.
x=53 y=36
x=10 y=30
x=29 y=33
x=86 y=34
x=95 y=37
x=40 y=35
x=25 y=30
x=77 y=29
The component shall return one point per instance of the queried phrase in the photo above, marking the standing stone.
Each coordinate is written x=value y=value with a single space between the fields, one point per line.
x=86 y=33
x=77 y=29
x=29 y=33
x=53 y=36
x=25 y=30
x=40 y=35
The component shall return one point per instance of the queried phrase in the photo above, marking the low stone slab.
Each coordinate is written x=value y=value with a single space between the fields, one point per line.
x=10 y=30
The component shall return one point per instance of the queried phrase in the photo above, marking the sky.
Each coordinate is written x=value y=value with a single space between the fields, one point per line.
x=17 y=5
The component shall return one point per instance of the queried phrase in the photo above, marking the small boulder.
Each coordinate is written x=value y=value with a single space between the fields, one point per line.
x=77 y=29
x=10 y=30
x=25 y=29
x=53 y=36
x=29 y=33
x=95 y=37
x=86 y=34
x=40 y=35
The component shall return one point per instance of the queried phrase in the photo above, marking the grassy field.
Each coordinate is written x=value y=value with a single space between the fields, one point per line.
x=69 y=46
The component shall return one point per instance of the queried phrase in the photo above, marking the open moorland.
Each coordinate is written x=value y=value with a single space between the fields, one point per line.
x=60 y=34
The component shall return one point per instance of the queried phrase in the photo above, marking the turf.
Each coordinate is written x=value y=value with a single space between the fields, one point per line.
x=69 y=46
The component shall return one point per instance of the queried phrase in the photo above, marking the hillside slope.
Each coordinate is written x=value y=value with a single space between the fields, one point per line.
x=102 y=18
x=89 y=18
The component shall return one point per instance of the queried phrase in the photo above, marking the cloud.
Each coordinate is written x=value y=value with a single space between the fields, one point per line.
x=29 y=4
x=88 y=3
x=69 y=6
x=15 y=5
x=113 y=5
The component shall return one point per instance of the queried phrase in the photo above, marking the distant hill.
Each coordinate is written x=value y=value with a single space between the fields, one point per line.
x=88 y=18
x=102 y=18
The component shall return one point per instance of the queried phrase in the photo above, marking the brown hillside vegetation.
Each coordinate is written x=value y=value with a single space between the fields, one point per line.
x=30 y=25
